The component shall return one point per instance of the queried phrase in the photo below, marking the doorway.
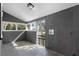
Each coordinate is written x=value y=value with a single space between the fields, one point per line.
x=41 y=32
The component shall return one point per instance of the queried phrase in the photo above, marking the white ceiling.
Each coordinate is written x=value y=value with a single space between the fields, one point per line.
x=21 y=11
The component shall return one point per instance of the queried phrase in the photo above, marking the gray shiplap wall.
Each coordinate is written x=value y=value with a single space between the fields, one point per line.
x=9 y=18
x=0 y=21
x=66 y=26
x=76 y=29
x=9 y=36
x=62 y=23
x=31 y=36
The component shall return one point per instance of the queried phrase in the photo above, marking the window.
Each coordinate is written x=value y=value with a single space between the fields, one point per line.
x=33 y=25
x=28 y=26
x=10 y=26
x=21 y=27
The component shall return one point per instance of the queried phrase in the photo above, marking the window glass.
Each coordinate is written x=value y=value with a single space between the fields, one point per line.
x=33 y=26
x=13 y=26
x=9 y=26
x=29 y=26
x=21 y=27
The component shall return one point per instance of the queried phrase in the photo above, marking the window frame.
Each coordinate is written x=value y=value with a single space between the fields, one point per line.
x=5 y=22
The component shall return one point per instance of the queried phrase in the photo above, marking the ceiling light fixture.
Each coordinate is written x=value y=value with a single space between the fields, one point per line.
x=30 y=5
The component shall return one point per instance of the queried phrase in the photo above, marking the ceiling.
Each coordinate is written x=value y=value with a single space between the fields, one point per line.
x=21 y=11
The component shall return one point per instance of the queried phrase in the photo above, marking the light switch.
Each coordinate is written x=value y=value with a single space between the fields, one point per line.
x=51 y=31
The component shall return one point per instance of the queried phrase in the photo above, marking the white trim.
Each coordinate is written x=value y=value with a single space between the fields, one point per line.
x=37 y=38
x=13 y=22
x=12 y=30
x=1 y=20
x=16 y=30
x=16 y=26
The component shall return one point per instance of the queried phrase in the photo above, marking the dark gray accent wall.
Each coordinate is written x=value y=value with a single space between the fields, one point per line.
x=10 y=18
x=0 y=21
x=66 y=27
x=62 y=40
x=76 y=29
x=31 y=36
x=8 y=37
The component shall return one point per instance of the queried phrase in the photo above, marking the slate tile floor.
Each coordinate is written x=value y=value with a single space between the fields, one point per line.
x=26 y=49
